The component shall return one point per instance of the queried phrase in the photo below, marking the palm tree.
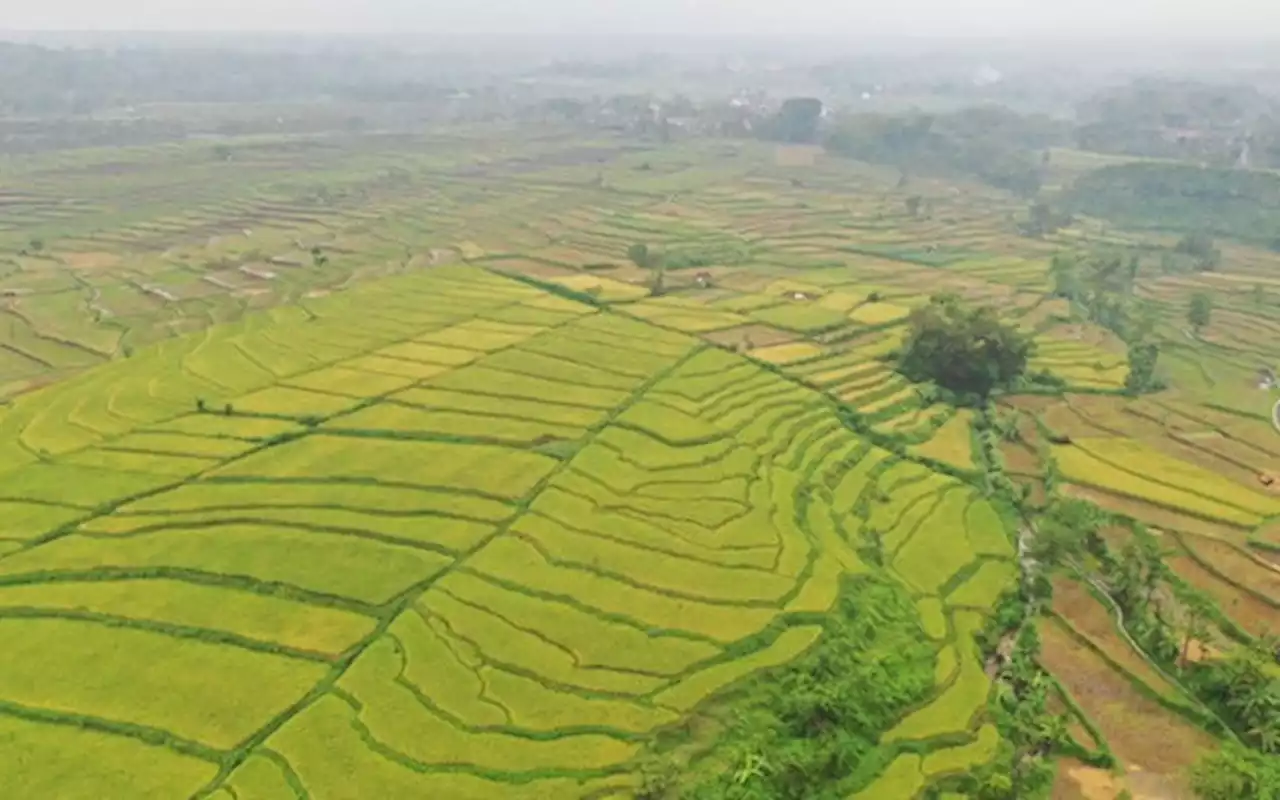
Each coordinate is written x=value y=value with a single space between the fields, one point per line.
x=1248 y=699
x=753 y=766
x=1267 y=735
x=1197 y=629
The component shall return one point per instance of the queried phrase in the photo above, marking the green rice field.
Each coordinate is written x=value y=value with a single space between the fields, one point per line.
x=469 y=511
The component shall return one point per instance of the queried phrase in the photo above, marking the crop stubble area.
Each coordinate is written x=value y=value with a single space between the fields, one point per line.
x=462 y=513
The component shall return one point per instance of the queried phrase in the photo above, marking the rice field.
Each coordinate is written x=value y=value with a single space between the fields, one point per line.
x=593 y=519
x=1127 y=468
x=485 y=510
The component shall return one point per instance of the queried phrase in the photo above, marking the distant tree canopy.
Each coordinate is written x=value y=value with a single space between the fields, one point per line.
x=639 y=255
x=1143 y=357
x=1243 y=204
x=566 y=107
x=965 y=350
x=996 y=145
x=1201 y=247
x=1100 y=286
x=1043 y=220
x=1181 y=119
x=1064 y=274
x=1200 y=311
x=796 y=122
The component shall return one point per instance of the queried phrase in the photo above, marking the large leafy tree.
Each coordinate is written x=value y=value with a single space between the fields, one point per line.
x=797 y=121
x=966 y=350
x=1201 y=247
x=1200 y=311
x=640 y=255
x=1143 y=357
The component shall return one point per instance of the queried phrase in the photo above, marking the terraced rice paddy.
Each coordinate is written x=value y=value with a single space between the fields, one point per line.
x=471 y=511
x=494 y=577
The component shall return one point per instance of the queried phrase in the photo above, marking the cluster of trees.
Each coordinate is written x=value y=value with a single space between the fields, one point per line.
x=1100 y=287
x=797 y=122
x=1200 y=311
x=1201 y=249
x=996 y=145
x=1092 y=279
x=966 y=351
x=1243 y=204
x=1182 y=119
x=648 y=258
x=1245 y=688
x=1030 y=731
x=1241 y=686
x=1043 y=220
x=809 y=727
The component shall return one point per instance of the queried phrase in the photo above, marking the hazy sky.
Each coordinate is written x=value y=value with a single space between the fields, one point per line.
x=1123 y=18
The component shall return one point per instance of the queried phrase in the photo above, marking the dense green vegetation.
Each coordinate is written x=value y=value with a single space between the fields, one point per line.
x=1235 y=772
x=1182 y=197
x=797 y=121
x=994 y=144
x=967 y=351
x=811 y=729
x=1180 y=119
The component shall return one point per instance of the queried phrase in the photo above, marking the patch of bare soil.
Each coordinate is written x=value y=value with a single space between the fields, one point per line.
x=1154 y=744
x=1020 y=459
x=1080 y=782
x=1198 y=651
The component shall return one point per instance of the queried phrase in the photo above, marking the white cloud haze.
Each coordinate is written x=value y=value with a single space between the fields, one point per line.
x=854 y=18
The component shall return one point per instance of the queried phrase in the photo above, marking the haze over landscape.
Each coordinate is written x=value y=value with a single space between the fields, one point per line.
x=697 y=400
x=1137 y=19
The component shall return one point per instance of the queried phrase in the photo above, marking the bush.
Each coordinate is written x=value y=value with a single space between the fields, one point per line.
x=1234 y=772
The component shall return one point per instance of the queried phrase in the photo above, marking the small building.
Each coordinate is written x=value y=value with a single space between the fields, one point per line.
x=702 y=280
